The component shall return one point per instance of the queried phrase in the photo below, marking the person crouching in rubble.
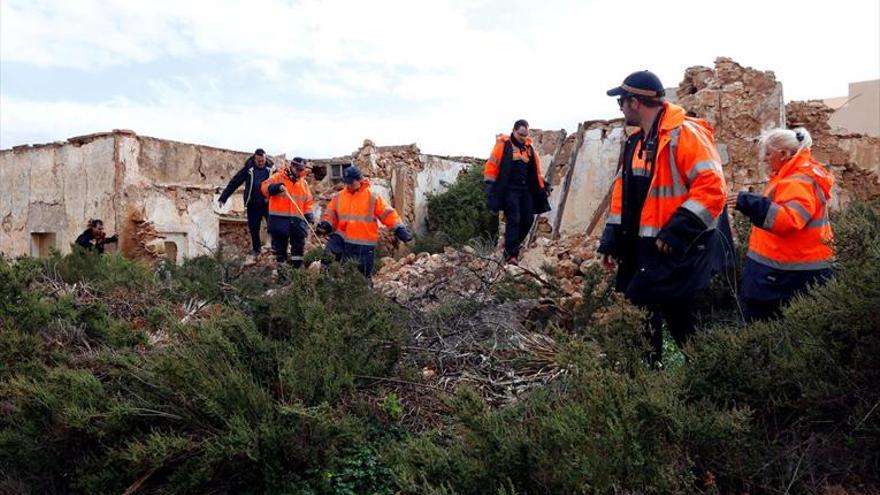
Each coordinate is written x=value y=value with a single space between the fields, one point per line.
x=290 y=208
x=94 y=237
x=790 y=241
x=514 y=184
x=351 y=220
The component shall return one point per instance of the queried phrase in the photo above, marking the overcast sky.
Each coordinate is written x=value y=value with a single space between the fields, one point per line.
x=315 y=78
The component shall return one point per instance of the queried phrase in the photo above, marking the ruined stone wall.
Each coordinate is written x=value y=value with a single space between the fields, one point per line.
x=53 y=190
x=149 y=191
x=853 y=158
x=740 y=103
x=405 y=177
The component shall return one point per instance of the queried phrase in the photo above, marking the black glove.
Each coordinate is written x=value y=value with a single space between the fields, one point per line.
x=324 y=228
x=403 y=233
x=310 y=217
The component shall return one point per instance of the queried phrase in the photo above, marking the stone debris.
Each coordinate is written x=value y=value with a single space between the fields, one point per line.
x=740 y=103
x=426 y=280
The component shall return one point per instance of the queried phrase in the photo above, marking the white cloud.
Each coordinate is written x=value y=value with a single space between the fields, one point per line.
x=456 y=72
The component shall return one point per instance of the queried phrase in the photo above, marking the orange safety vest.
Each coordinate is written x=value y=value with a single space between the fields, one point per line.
x=796 y=233
x=354 y=215
x=493 y=164
x=687 y=174
x=279 y=204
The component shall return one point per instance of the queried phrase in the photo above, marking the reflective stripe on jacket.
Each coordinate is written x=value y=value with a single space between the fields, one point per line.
x=279 y=204
x=687 y=175
x=791 y=227
x=354 y=215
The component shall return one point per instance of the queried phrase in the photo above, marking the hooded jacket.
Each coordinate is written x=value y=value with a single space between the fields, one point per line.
x=355 y=215
x=790 y=241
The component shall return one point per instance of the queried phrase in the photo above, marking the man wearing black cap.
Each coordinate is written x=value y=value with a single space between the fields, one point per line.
x=352 y=220
x=256 y=170
x=667 y=206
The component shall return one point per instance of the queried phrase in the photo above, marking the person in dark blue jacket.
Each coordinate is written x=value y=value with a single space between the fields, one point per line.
x=256 y=170
x=94 y=237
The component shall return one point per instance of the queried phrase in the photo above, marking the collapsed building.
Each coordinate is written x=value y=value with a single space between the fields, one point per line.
x=160 y=195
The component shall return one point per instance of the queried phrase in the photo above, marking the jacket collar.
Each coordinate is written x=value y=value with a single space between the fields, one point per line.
x=804 y=163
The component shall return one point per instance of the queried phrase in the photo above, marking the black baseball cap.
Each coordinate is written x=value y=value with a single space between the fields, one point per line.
x=642 y=83
x=351 y=174
x=298 y=162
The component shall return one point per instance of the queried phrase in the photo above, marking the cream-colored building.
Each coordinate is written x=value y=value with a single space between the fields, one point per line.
x=858 y=112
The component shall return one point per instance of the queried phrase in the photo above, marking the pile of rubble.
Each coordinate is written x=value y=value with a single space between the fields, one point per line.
x=556 y=267
x=739 y=102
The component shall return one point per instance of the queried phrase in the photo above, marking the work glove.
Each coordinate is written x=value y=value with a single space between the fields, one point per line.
x=403 y=233
x=310 y=217
x=324 y=228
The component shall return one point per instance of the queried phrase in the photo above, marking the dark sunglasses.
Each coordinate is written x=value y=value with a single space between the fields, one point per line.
x=621 y=100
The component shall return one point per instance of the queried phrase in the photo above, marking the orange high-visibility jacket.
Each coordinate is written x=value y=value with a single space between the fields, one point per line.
x=493 y=164
x=687 y=174
x=279 y=204
x=796 y=233
x=354 y=215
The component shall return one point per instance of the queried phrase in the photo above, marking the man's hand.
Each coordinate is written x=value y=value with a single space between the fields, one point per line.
x=324 y=228
x=281 y=188
x=608 y=262
x=403 y=234
x=731 y=202
x=663 y=247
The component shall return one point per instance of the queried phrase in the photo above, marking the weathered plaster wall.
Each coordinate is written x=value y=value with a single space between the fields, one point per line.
x=55 y=188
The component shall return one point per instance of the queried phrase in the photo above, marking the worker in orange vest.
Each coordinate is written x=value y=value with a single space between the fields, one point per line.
x=352 y=218
x=515 y=185
x=790 y=241
x=290 y=208
x=667 y=205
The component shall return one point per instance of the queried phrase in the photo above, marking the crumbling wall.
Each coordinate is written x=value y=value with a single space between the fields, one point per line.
x=405 y=176
x=176 y=184
x=853 y=158
x=554 y=149
x=582 y=199
x=149 y=191
x=55 y=188
x=740 y=103
x=434 y=176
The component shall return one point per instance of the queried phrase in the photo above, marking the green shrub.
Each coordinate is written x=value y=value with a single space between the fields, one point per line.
x=101 y=271
x=432 y=242
x=460 y=212
x=214 y=279
x=238 y=403
x=267 y=395
x=336 y=329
